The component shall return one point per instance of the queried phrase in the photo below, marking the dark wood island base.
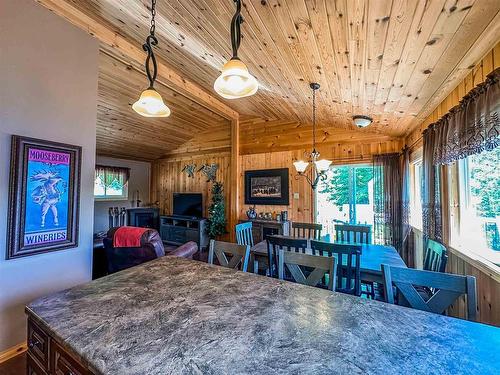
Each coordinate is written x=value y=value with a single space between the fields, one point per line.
x=45 y=356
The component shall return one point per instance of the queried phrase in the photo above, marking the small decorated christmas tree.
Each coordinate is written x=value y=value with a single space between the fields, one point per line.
x=216 y=212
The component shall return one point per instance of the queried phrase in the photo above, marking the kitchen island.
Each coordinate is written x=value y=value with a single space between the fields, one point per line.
x=176 y=316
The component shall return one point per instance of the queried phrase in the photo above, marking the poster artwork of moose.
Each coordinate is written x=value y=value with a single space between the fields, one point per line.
x=44 y=196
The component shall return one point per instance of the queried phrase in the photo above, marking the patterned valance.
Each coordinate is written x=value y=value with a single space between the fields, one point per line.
x=108 y=174
x=470 y=127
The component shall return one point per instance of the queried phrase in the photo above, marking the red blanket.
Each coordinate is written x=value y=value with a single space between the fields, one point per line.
x=128 y=236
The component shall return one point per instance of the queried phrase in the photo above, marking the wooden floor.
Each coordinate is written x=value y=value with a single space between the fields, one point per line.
x=14 y=366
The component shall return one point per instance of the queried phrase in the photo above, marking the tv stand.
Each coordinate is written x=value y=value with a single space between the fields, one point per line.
x=177 y=230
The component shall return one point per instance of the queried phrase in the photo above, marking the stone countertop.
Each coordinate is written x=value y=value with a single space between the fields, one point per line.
x=176 y=316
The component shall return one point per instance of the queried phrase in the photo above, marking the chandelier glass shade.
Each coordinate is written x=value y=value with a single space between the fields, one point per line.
x=150 y=103
x=235 y=81
x=320 y=166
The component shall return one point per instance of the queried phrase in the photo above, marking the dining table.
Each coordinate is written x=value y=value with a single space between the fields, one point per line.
x=371 y=259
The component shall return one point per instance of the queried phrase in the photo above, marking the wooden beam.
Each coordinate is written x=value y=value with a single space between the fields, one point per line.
x=166 y=75
x=234 y=188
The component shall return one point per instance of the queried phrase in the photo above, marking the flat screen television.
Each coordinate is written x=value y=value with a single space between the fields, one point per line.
x=188 y=204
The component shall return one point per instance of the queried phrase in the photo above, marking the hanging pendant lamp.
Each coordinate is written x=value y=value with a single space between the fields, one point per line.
x=235 y=81
x=151 y=104
x=320 y=166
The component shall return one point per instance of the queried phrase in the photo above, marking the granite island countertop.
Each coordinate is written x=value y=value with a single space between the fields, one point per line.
x=176 y=316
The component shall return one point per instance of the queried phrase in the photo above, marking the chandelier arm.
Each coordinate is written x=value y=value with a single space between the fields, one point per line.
x=235 y=29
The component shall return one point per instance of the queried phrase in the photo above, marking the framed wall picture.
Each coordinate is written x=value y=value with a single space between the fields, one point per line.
x=44 y=196
x=267 y=186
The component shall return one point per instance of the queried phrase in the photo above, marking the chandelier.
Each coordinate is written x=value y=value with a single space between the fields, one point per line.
x=320 y=165
x=151 y=104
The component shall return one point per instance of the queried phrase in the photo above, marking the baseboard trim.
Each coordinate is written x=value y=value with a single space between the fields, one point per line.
x=12 y=352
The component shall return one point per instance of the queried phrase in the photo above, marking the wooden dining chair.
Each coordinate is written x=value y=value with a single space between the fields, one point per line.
x=448 y=287
x=318 y=268
x=244 y=235
x=436 y=257
x=239 y=254
x=353 y=233
x=348 y=264
x=275 y=243
x=307 y=230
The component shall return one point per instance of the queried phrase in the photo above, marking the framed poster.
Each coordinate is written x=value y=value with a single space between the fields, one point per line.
x=44 y=197
x=267 y=186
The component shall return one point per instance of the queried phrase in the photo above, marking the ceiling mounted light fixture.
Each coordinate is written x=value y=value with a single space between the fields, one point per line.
x=362 y=121
x=235 y=81
x=151 y=104
x=321 y=166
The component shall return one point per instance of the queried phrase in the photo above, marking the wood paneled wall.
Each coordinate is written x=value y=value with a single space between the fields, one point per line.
x=487 y=284
x=167 y=178
x=301 y=208
x=477 y=75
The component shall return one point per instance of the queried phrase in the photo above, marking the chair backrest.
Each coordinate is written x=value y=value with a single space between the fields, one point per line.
x=348 y=264
x=244 y=235
x=294 y=262
x=448 y=288
x=307 y=230
x=239 y=254
x=436 y=257
x=353 y=233
x=275 y=243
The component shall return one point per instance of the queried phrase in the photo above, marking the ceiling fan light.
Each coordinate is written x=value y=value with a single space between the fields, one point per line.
x=362 y=121
x=300 y=166
x=151 y=104
x=322 y=165
x=235 y=81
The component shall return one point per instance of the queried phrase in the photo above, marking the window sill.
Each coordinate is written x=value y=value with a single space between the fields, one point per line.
x=475 y=260
x=478 y=261
x=110 y=199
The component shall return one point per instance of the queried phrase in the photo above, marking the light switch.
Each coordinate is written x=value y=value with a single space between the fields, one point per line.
x=295 y=195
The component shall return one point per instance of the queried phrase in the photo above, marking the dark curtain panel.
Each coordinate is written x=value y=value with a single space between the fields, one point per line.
x=391 y=205
x=431 y=193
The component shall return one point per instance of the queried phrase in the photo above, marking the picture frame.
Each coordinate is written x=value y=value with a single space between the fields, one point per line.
x=267 y=187
x=44 y=197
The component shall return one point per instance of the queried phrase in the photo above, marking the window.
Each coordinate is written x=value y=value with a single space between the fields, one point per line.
x=346 y=196
x=416 y=178
x=479 y=197
x=111 y=183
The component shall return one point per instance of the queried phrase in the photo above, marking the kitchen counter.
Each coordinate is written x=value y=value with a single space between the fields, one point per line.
x=176 y=316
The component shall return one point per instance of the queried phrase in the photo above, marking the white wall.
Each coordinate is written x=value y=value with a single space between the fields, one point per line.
x=48 y=90
x=139 y=180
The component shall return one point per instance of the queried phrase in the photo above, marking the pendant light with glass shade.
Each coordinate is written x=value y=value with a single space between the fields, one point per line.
x=320 y=166
x=235 y=81
x=151 y=104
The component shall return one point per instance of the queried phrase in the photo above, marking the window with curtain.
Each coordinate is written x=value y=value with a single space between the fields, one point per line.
x=111 y=183
x=479 y=207
x=467 y=136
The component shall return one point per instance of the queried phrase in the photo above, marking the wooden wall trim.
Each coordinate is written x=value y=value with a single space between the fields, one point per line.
x=13 y=351
x=234 y=187
x=117 y=43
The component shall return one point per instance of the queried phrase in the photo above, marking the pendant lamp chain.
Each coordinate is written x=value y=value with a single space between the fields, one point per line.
x=151 y=41
x=236 y=30
x=314 y=121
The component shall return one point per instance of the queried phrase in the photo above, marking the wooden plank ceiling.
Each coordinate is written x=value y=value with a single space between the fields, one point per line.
x=389 y=59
